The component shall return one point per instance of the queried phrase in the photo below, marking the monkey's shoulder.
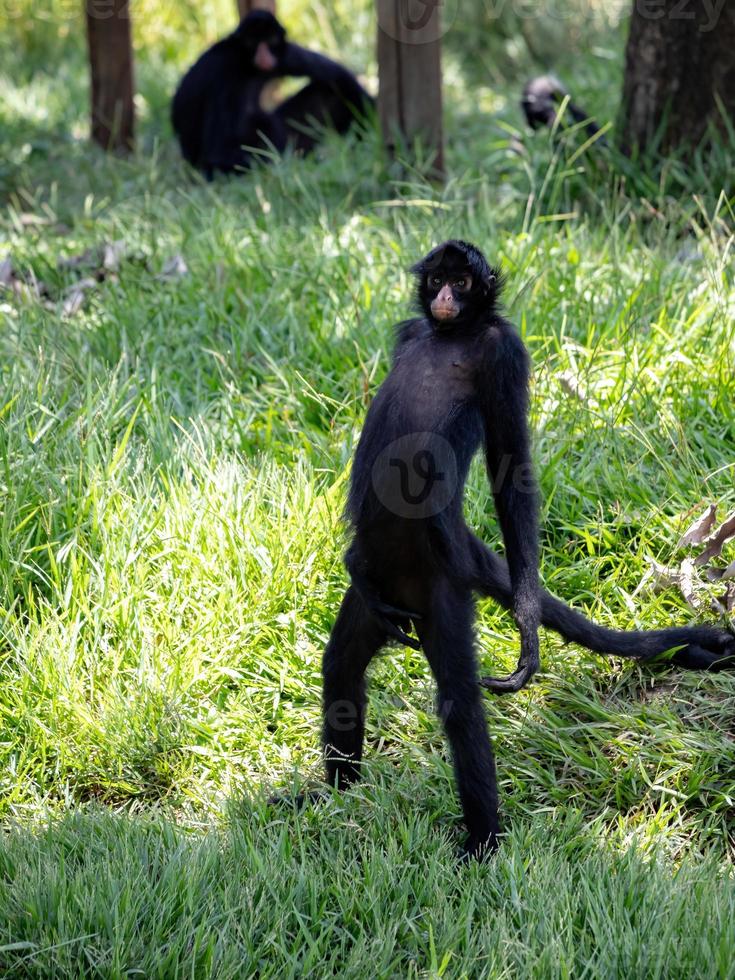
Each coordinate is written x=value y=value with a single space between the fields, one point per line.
x=501 y=340
x=413 y=329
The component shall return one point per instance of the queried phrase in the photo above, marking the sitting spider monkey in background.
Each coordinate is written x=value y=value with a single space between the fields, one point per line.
x=216 y=110
x=541 y=100
x=459 y=381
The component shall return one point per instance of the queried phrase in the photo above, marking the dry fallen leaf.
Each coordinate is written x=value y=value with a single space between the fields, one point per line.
x=716 y=541
x=74 y=296
x=570 y=383
x=698 y=531
x=686 y=578
x=112 y=255
x=687 y=583
x=6 y=272
x=89 y=257
x=174 y=268
x=661 y=576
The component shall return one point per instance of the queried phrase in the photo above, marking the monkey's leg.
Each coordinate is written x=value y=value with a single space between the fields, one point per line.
x=355 y=639
x=702 y=647
x=447 y=637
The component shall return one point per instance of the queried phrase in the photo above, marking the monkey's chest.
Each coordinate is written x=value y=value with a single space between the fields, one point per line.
x=437 y=389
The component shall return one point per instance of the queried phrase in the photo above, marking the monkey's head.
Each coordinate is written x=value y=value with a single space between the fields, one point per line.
x=262 y=40
x=455 y=284
x=541 y=99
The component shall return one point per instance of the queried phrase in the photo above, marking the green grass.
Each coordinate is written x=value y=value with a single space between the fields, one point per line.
x=173 y=463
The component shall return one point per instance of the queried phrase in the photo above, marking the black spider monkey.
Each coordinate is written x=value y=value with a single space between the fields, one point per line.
x=216 y=110
x=541 y=100
x=459 y=381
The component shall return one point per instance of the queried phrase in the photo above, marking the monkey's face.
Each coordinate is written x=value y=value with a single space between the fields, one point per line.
x=455 y=284
x=448 y=291
x=263 y=40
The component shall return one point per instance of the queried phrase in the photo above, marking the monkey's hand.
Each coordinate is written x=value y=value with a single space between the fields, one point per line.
x=387 y=616
x=393 y=620
x=528 y=664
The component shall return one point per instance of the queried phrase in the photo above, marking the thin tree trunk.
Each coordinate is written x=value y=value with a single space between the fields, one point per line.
x=409 y=69
x=111 y=69
x=245 y=6
x=680 y=60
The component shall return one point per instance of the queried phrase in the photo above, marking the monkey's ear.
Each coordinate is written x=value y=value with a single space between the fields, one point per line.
x=494 y=282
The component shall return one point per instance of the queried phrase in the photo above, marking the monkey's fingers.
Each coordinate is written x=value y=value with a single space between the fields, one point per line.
x=398 y=634
x=511 y=684
x=386 y=616
x=387 y=610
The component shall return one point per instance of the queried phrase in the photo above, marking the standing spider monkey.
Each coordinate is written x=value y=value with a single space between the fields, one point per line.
x=459 y=381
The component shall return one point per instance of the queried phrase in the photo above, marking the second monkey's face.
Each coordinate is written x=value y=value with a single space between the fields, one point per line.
x=263 y=41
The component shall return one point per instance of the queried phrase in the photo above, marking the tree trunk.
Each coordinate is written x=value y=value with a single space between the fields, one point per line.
x=245 y=6
x=111 y=69
x=679 y=61
x=409 y=69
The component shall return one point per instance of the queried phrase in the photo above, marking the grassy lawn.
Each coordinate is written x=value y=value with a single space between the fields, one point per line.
x=174 y=448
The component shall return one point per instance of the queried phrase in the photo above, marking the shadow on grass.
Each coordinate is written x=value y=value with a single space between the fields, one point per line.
x=351 y=891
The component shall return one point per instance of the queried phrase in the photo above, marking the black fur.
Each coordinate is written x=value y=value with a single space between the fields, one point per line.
x=541 y=100
x=459 y=381
x=217 y=113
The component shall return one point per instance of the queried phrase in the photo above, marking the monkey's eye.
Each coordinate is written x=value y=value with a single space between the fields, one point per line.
x=460 y=283
x=435 y=281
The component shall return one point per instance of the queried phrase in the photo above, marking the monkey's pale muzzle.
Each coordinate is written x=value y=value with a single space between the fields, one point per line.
x=443 y=312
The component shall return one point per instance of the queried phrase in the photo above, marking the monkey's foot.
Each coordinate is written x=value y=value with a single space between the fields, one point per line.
x=694 y=657
x=478 y=850
x=299 y=801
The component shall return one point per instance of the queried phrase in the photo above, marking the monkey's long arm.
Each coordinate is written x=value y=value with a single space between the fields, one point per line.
x=504 y=405
x=320 y=69
x=299 y=61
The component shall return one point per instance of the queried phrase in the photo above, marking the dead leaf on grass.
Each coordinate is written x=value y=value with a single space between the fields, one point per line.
x=570 y=382
x=75 y=296
x=698 y=531
x=6 y=272
x=174 y=268
x=716 y=541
